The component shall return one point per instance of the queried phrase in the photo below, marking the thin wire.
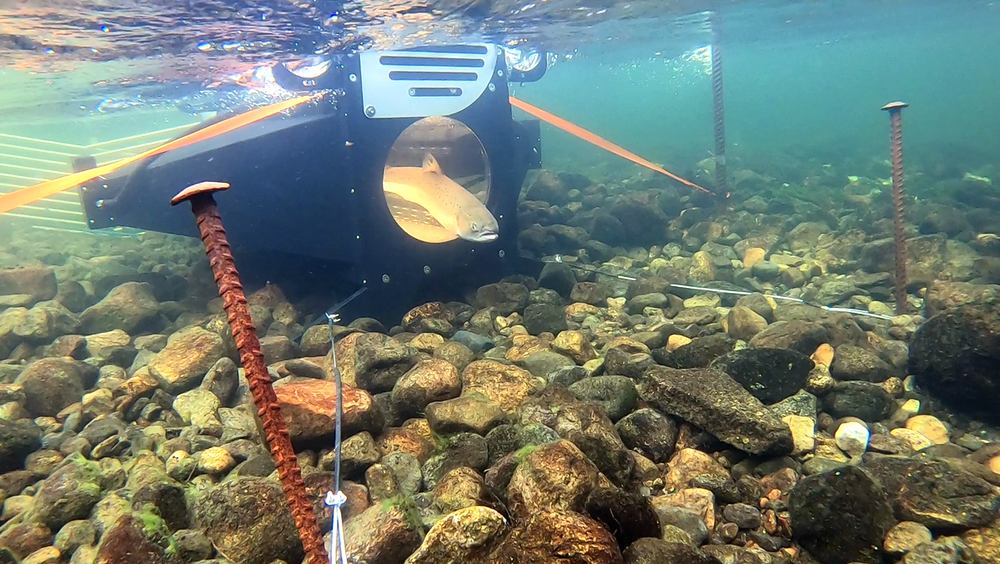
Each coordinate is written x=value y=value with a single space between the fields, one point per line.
x=336 y=498
x=559 y=259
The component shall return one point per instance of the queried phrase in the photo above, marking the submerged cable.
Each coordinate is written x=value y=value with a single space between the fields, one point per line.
x=336 y=498
x=852 y=311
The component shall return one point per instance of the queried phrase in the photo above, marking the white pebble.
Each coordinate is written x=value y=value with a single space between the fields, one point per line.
x=852 y=438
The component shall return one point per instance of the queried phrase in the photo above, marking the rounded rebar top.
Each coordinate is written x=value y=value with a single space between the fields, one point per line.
x=895 y=105
x=199 y=188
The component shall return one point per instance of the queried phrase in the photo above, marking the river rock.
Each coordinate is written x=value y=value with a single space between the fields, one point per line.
x=465 y=536
x=697 y=353
x=51 y=384
x=249 y=521
x=505 y=384
x=506 y=297
x=963 y=373
x=551 y=535
x=584 y=424
x=137 y=540
x=657 y=551
x=68 y=494
x=544 y=318
x=935 y=493
x=855 y=363
x=943 y=295
x=130 y=307
x=718 y=404
x=744 y=323
x=373 y=361
x=385 y=533
x=460 y=450
x=800 y=336
x=18 y=439
x=428 y=381
x=616 y=393
x=770 y=375
x=864 y=400
x=37 y=282
x=473 y=413
x=553 y=476
x=309 y=407
x=222 y=380
x=905 y=536
x=841 y=516
x=188 y=356
x=649 y=431
x=629 y=516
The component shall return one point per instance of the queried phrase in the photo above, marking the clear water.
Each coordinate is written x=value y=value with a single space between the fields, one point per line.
x=805 y=82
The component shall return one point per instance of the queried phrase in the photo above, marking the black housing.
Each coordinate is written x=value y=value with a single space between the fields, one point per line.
x=306 y=208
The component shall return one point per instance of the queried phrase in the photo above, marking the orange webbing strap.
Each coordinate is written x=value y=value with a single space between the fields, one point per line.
x=598 y=141
x=31 y=194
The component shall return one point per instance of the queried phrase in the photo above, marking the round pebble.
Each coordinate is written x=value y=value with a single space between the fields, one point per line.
x=676 y=341
x=215 y=460
x=905 y=536
x=916 y=440
x=994 y=464
x=75 y=534
x=930 y=427
x=743 y=515
x=823 y=356
x=15 y=505
x=180 y=465
x=852 y=438
x=47 y=555
x=893 y=386
x=753 y=255
x=911 y=406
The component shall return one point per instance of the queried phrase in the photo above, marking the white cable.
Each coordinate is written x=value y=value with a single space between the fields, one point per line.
x=559 y=259
x=336 y=498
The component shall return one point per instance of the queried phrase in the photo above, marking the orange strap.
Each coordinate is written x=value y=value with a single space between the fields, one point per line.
x=48 y=188
x=31 y=194
x=598 y=141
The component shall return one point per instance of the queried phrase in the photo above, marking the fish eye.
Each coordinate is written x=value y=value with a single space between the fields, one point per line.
x=475 y=226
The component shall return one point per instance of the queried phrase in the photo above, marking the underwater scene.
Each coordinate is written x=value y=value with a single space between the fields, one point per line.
x=494 y=282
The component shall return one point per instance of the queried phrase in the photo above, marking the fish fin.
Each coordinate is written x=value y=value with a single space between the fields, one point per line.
x=431 y=164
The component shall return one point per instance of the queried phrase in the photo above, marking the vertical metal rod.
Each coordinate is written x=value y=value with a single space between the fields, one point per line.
x=213 y=235
x=899 y=227
x=721 y=180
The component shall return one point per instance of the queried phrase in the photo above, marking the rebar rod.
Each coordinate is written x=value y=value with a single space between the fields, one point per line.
x=898 y=217
x=245 y=334
x=721 y=180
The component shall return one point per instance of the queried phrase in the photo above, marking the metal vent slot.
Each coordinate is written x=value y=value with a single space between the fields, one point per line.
x=431 y=91
x=432 y=75
x=405 y=61
x=425 y=82
x=464 y=49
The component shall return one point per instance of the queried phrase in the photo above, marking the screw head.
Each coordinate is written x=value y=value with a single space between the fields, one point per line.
x=895 y=106
x=370 y=111
x=385 y=278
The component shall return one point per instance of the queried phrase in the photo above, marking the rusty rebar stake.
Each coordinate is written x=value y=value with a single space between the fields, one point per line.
x=235 y=302
x=721 y=179
x=898 y=218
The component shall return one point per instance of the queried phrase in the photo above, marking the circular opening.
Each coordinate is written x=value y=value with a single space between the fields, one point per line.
x=436 y=182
